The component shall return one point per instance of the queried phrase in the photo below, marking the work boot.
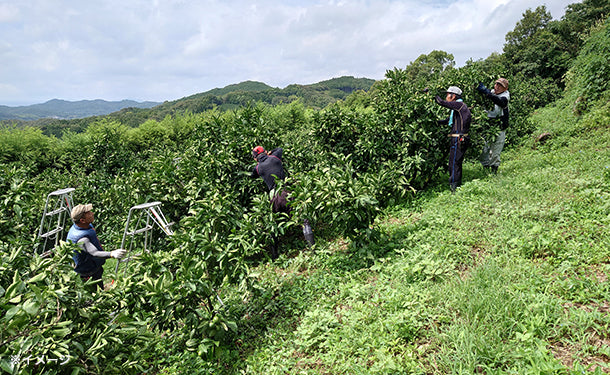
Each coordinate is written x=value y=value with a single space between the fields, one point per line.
x=308 y=233
x=274 y=249
x=274 y=252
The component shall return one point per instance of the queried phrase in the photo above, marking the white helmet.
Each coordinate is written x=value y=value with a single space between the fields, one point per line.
x=454 y=90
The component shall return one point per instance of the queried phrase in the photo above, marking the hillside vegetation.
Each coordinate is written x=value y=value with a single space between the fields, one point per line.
x=54 y=118
x=62 y=109
x=507 y=275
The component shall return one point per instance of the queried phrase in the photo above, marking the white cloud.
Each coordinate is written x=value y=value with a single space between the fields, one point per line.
x=164 y=50
x=8 y=12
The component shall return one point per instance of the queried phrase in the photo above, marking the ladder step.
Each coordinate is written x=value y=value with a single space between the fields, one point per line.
x=141 y=230
x=128 y=258
x=145 y=205
x=55 y=212
x=52 y=232
x=62 y=191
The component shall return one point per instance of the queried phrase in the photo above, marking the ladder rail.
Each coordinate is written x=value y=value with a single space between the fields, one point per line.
x=125 y=234
x=58 y=204
x=154 y=215
x=160 y=219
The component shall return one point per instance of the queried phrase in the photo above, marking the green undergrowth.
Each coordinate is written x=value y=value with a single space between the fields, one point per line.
x=507 y=275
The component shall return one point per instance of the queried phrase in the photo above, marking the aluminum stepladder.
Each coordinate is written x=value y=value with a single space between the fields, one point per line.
x=140 y=220
x=56 y=210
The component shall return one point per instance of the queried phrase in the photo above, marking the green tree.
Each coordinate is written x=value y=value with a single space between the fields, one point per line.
x=533 y=49
x=578 y=19
x=530 y=24
x=428 y=65
x=543 y=48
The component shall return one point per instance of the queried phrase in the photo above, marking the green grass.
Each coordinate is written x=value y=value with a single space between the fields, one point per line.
x=508 y=275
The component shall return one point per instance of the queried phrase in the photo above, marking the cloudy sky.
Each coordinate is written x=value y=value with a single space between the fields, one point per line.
x=167 y=49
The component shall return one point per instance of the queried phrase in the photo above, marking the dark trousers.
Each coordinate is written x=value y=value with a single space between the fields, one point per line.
x=279 y=202
x=97 y=275
x=457 y=150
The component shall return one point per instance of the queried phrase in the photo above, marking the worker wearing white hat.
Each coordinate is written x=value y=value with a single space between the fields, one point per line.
x=459 y=120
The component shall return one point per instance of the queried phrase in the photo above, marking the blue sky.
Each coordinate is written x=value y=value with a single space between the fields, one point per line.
x=167 y=49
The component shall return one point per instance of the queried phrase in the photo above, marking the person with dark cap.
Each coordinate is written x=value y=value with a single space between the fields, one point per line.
x=459 y=120
x=499 y=95
x=269 y=167
x=90 y=259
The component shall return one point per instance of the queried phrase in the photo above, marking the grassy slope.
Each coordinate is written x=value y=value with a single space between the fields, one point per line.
x=509 y=275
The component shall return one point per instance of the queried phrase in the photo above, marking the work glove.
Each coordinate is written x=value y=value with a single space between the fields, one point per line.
x=118 y=253
x=481 y=88
x=438 y=99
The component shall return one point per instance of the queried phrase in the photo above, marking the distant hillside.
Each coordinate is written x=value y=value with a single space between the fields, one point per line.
x=317 y=96
x=62 y=109
x=246 y=86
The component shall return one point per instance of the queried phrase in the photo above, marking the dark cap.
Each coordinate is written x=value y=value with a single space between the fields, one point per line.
x=257 y=151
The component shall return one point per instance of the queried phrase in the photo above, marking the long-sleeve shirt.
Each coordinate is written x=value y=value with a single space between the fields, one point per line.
x=460 y=116
x=90 y=248
x=500 y=102
x=500 y=107
x=269 y=167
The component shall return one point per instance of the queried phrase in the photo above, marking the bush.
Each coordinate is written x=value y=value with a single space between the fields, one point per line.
x=589 y=77
x=28 y=146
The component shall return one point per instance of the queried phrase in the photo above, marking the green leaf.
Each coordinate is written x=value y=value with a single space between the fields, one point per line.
x=6 y=366
x=191 y=343
x=37 y=278
x=31 y=307
x=232 y=326
x=78 y=346
x=61 y=332
x=15 y=287
x=12 y=312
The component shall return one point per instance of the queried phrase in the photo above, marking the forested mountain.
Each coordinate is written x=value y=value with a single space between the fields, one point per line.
x=316 y=96
x=63 y=109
